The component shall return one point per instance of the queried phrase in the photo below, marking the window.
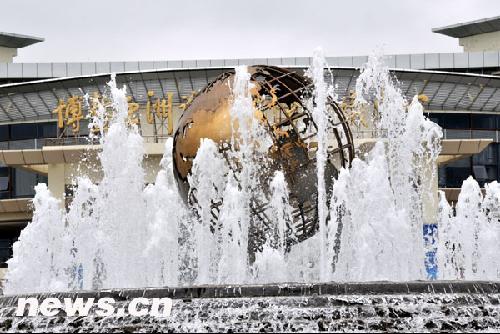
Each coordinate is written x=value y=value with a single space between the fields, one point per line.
x=4 y=178
x=487 y=122
x=480 y=172
x=453 y=174
x=47 y=130
x=24 y=183
x=487 y=157
x=8 y=236
x=5 y=250
x=438 y=119
x=23 y=131
x=451 y=120
x=456 y=121
x=4 y=132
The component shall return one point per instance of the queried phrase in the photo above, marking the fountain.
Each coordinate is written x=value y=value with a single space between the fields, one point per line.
x=261 y=185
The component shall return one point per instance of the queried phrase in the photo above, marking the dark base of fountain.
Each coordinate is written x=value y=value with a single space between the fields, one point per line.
x=373 y=306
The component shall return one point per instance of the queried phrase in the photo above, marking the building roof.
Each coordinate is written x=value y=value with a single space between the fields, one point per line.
x=447 y=91
x=471 y=28
x=16 y=41
x=423 y=61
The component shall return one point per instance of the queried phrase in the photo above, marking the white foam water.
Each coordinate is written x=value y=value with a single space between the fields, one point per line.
x=379 y=201
x=118 y=233
x=469 y=239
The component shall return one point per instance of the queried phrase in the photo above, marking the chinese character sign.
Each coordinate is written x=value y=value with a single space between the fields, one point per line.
x=157 y=111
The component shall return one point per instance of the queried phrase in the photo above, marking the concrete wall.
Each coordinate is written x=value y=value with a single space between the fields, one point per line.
x=3 y=271
x=62 y=174
x=483 y=42
x=7 y=54
x=94 y=170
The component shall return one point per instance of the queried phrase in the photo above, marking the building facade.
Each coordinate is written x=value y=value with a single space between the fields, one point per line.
x=44 y=125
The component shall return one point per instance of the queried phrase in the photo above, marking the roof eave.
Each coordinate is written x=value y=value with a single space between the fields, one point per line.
x=17 y=41
x=461 y=30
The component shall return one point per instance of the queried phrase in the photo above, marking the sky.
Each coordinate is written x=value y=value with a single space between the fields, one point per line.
x=126 y=30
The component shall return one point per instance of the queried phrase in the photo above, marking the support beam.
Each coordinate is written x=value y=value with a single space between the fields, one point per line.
x=56 y=181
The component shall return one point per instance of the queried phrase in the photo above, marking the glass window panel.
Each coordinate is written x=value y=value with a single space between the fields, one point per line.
x=4 y=132
x=84 y=127
x=24 y=183
x=465 y=162
x=456 y=121
x=4 y=254
x=23 y=131
x=5 y=195
x=4 y=183
x=483 y=122
x=4 y=171
x=5 y=249
x=5 y=242
x=438 y=119
x=47 y=130
x=492 y=173
x=442 y=177
x=498 y=122
x=480 y=172
x=455 y=176
x=487 y=157
x=43 y=179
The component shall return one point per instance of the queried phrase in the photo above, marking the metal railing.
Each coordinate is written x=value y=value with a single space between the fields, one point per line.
x=22 y=144
x=447 y=134
x=38 y=143
x=471 y=134
x=155 y=139
x=67 y=141
x=368 y=134
x=361 y=134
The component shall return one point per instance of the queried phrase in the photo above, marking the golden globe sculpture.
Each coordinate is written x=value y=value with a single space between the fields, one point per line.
x=280 y=95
